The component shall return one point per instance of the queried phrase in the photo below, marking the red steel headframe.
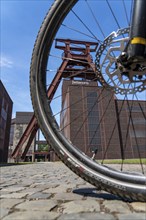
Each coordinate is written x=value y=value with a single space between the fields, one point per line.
x=77 y=61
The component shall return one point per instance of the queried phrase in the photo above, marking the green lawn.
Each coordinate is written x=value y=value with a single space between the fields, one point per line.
x=126 y=161
x=111 y=161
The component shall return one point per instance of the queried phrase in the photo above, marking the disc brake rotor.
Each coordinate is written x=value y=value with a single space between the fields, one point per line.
x=109 y=73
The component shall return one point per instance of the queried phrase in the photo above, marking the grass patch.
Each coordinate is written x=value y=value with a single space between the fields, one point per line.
x=14 y=164
x=126 y=161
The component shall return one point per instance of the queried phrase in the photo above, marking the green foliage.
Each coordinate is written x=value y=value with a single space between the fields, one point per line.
x=43 y=147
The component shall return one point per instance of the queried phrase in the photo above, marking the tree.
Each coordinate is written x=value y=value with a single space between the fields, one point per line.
x=43 y=147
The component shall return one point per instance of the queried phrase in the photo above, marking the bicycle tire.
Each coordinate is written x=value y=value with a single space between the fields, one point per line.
x=127 y=186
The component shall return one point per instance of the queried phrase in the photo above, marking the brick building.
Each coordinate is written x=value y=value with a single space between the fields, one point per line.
x=98 y=115
x=5 y=122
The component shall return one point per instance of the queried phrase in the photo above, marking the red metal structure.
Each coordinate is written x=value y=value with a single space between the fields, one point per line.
x=77 y=62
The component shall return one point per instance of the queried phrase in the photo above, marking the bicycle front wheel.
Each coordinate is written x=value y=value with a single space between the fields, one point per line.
x=90 y=113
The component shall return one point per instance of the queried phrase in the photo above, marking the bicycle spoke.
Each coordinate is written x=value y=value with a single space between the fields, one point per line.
x=113 y=14
x=108 y=145
x=85 y=26
x=98 y=25
x=80 y=32
x=128 y=22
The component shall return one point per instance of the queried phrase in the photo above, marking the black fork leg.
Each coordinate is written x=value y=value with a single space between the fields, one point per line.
x=138 y=30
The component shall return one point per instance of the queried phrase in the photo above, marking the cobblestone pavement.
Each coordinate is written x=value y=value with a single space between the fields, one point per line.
x=48 y=191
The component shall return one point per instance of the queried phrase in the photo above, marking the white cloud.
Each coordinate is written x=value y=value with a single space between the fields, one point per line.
x=6 y=62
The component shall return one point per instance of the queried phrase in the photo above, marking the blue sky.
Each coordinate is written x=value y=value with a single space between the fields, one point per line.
x=20 y=22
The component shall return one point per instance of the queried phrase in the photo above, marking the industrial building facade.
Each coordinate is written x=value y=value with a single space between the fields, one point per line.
x=5 y=122
x=97 y=120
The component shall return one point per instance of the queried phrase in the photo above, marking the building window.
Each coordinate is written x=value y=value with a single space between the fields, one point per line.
x=94 y=140
x=138 y=133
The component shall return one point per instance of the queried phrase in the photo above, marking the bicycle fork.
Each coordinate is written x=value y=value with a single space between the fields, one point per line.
x=138 y=30
x=133 y=59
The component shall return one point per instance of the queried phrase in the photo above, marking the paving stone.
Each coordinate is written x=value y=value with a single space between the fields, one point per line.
x=14 y=188
x=30 y=191
x=39 y=195
x=9 y=203
x=83 y=185
x=138 y=206
x=43 y=205
x=3 y=212
x=87 y=216
x=14 y=195
x=80 y=206
x=67 y=196
x=3 y=193
x=42 y=185
x=32 y=215
x=116 y=206
x=8 y=184
x=61 y=188
x=133 y=216
x=25 y=182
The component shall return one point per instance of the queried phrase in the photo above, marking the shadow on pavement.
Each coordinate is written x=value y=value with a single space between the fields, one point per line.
x=93 y=192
